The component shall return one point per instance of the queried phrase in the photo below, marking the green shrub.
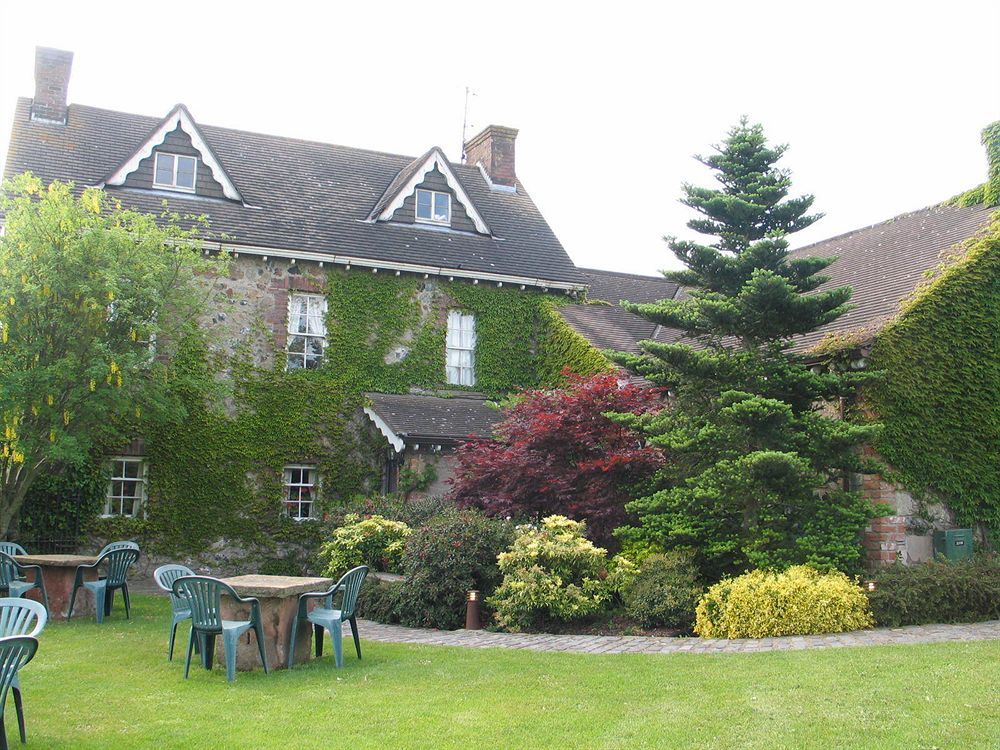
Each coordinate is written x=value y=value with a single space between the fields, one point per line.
x=452 y=553
x=376 y=542
x=413 y=513
x=665 y=592
x=798 y=601
x=940 y=591
x=381 y=600
x=552 y=572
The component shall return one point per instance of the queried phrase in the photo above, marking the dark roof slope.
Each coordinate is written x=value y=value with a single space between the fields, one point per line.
x=613 y=287
x=608 y=327
x=883 y=264
x=301 y=196
x=414 y=417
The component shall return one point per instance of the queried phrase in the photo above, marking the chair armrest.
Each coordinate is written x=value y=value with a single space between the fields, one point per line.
x=78 y=578
x=327 y=595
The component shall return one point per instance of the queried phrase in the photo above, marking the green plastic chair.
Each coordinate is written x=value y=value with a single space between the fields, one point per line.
x=328 y=618
x=118 y=562
x=111 y=546
x=21 y=617
x=12 y=578
x=165 y=575
x=204 y=595
x=12 y=548
x=15 y=652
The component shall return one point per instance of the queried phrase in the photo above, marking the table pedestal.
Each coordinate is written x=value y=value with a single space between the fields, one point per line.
x=59 y=572
x=279 y=600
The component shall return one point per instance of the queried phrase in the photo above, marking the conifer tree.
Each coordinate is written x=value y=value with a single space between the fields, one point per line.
x=757 y=472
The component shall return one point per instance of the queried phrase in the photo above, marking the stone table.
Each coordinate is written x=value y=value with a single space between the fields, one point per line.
x=279 y=599
x=59 y=572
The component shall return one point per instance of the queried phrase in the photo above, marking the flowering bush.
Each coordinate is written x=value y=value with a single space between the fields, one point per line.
x=374 y=541
x=798 y=601
x=553 y=572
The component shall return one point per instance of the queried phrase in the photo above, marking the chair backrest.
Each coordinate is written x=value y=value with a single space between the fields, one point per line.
x=8 y=569
x=351 y=582
x=112 y=546
x=165 y=575
x=203 y=595
x=119 y=561
x=15 y=652
x=21 y=617
x=12 y=548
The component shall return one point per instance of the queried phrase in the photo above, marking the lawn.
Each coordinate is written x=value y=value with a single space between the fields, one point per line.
x=111 y=686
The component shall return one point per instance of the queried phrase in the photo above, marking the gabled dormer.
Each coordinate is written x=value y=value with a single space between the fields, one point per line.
x=176 y=158
x=427 y=192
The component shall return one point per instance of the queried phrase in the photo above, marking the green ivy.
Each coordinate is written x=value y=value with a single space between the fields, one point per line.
x=216 y=473
x=940 y=397
x=987 y=194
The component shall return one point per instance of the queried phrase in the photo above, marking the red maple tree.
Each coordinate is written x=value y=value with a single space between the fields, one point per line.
x=556 y=452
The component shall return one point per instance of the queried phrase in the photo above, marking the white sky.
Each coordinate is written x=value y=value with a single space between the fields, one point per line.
x=882 y=102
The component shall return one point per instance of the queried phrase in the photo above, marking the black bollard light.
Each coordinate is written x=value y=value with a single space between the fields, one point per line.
x=472 y=621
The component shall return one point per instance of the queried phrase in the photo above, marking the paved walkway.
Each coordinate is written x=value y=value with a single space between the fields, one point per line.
x=611 y=644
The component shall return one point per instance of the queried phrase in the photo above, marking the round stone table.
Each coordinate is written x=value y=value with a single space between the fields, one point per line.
x=279 y=599
x=58 y=573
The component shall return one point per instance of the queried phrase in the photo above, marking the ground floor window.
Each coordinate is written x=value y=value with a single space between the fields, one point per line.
x=301 y=487
x=126 y=486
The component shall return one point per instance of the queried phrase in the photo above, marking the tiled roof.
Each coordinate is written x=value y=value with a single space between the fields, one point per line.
x=431 y=418
x=608 y=327
x=883 y=264
x=300 y=196
x=613 y=287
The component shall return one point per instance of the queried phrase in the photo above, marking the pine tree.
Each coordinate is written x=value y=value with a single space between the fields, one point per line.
x=757 y=473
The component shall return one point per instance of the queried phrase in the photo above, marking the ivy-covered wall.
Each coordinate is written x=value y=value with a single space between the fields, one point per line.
x=217 y=474
x=939 y=399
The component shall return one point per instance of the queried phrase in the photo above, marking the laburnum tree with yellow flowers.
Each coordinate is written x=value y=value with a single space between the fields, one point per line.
x=94 y=298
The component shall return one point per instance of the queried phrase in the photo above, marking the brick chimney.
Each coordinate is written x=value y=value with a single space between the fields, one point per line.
x=52 y=67
x=494 y=149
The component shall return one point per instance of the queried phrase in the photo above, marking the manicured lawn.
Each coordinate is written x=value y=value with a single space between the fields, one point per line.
x=112 y=687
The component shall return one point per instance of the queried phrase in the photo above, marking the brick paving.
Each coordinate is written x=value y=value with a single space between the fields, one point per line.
x=612 y=644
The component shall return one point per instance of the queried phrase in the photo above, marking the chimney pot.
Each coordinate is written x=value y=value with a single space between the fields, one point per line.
x=52 y=69
x=493 y=148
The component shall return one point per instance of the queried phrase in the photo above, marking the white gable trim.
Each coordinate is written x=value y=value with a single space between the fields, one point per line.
x=435 y=159
x=179 y=116
x=392 y=437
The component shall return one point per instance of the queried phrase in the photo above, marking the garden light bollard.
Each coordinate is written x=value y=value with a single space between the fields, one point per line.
x=472 y=619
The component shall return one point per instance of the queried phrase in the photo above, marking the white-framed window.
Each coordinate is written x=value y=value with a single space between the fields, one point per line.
x=433 y=207
x=306 y=330
x=460 y=348
x=126 y=494
x=301 y=489
x=175 y=172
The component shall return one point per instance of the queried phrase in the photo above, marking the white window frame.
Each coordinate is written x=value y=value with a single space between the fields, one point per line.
x=460 y=374
x=434 y=194
x=173 y=185
x=113 y=504
x=288 y=486
x=321 y=302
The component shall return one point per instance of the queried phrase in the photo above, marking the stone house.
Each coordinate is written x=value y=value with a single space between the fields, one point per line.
x=418 y=287
x=414 y=289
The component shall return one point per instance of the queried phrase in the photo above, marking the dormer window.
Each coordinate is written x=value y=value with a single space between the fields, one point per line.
x=433 y=207
x=175 y=172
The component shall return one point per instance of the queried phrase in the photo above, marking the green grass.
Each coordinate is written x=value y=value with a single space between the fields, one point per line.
x=112 y=687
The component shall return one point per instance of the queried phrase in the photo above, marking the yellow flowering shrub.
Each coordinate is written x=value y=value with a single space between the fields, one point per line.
x=797 y=601
x=553 y=572
x=373 y=541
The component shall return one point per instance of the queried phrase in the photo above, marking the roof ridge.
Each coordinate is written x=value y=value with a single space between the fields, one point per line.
x=626 y=273
x=243 y=131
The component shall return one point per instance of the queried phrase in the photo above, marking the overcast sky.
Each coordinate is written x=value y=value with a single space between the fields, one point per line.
x=882 y=103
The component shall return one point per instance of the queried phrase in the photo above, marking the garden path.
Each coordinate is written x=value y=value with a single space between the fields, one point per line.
x=613 y=644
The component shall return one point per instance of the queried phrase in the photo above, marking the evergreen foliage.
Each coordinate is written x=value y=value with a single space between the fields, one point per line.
x=756 y=470
x=940 y=396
